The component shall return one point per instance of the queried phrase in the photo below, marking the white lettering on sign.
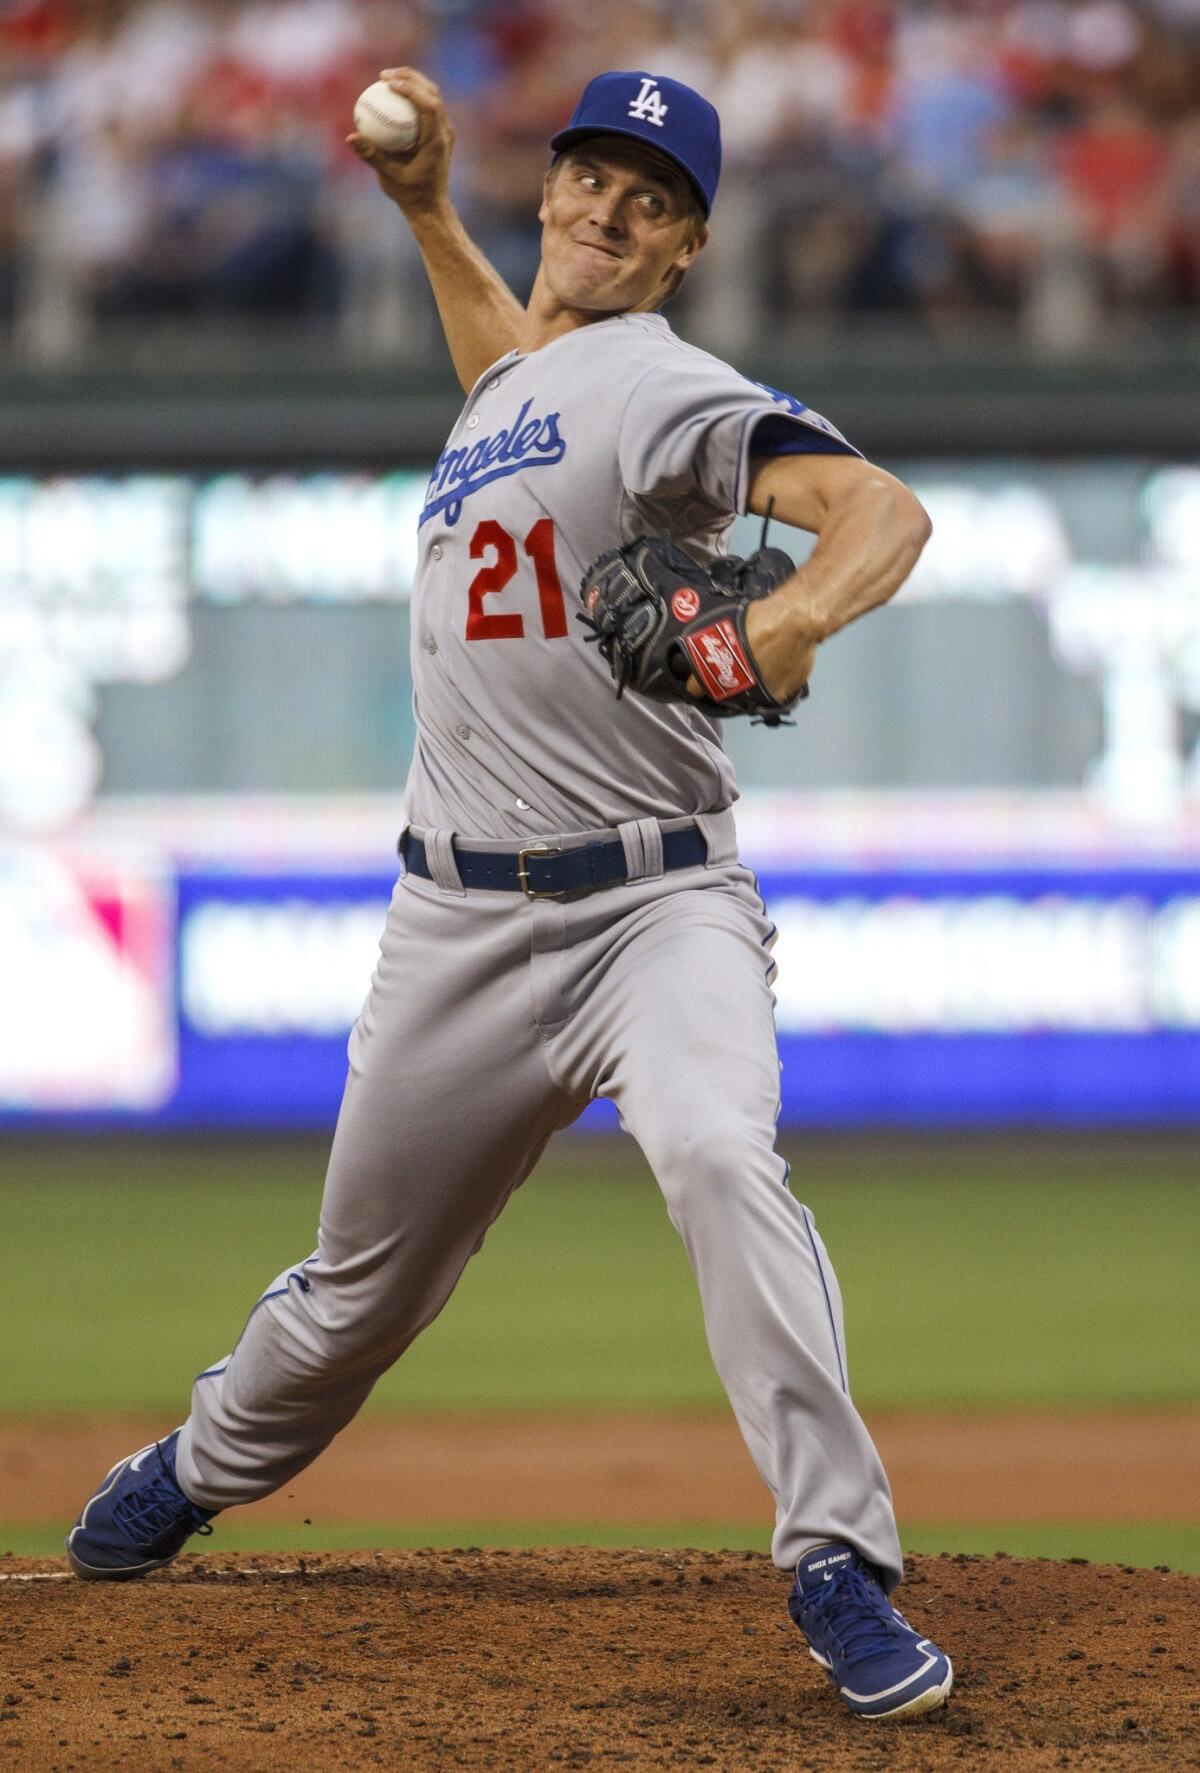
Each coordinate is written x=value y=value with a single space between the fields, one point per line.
x=287 y=967
x=993 y=964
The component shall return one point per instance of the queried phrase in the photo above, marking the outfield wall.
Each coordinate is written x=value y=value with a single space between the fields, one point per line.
x=980 y=843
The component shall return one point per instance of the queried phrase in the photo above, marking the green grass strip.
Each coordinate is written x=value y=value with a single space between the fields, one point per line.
x=1141 y=1543
x=993 y=1272
x=1176 y=1545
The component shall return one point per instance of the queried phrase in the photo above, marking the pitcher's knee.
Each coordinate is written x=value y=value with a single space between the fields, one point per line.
x=703 y=1168
x=332 y=1324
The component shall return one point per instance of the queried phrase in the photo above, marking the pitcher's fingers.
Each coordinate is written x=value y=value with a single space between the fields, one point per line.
x=379 y=159
x=376 y=157
x=414 y=85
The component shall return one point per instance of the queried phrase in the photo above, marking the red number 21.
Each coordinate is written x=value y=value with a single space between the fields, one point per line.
x=539 y=546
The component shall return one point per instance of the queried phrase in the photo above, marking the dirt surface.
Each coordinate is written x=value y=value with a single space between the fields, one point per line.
x=957 y=1469
x=524 y=1661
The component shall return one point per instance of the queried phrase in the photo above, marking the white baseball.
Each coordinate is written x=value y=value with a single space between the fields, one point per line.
x=386 y=118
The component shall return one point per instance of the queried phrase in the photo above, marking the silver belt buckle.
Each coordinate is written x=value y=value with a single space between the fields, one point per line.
x=539 y=850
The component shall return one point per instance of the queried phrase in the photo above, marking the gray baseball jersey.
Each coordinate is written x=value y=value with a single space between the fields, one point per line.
x=616 y=430
x=493 y=1019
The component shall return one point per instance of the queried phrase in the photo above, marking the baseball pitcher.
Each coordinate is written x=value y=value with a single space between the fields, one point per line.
x=573 y=920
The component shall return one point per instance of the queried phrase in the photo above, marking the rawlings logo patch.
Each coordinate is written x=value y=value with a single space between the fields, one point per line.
x=685 y=604
x=719 y=661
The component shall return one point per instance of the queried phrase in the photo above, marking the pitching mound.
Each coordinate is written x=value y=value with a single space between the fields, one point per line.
x=525 y=1661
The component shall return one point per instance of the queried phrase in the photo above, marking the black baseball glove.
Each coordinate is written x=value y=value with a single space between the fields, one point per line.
x=659 y=618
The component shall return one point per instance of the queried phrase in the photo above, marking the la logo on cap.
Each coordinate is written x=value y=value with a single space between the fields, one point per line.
x=630 y=101
x=648 y=105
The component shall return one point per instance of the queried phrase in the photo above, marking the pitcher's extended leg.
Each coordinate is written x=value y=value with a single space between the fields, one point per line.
x=446 y=1110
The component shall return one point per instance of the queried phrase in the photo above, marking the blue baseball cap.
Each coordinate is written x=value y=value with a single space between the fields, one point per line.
x=663 y=113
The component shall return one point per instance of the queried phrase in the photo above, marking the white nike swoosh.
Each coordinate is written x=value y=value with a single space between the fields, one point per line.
x=105 y=1487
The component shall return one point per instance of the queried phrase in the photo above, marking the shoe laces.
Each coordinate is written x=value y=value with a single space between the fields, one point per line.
x=855 y=1613
x=157 y=1507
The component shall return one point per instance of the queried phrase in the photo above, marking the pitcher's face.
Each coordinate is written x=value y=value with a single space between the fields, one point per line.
x=616 y=221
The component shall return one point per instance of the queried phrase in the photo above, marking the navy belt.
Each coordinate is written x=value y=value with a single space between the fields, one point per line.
x=544 y=871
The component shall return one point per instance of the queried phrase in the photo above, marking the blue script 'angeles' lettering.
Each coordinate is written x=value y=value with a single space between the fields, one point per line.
x=457 y=473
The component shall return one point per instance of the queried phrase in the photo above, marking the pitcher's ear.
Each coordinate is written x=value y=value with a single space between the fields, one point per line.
x=689 y=253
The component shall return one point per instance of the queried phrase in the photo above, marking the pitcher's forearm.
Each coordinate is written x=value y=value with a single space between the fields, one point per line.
x=868 y=545
x=870 y=529
x=480 y=315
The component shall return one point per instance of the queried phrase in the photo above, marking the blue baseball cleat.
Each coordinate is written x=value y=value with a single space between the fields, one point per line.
x=138 y=1520
x=881 y=1667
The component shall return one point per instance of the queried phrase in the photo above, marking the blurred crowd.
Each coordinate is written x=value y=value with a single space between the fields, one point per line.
x=1030 y=166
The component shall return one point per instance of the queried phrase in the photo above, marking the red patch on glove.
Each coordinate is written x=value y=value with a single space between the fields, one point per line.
x=719 y=661
x=685 y=604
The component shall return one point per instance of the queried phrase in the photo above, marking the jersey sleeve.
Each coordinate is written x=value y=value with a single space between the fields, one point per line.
x=692 y=426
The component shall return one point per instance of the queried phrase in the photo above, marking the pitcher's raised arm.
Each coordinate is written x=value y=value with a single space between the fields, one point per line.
x=480 y=315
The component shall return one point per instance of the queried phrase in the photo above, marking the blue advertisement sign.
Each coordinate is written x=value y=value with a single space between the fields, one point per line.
x=1025 y=995
x=904 y=996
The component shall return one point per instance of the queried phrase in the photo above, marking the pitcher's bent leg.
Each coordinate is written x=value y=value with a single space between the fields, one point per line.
x=432 y=1138
x=697 y=1084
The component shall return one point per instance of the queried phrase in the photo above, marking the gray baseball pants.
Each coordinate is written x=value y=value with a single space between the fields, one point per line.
x=491 y=1021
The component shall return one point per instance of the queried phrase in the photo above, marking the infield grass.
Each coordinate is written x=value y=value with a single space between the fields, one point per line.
x=1054 y=1271
x=1175 y=1545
